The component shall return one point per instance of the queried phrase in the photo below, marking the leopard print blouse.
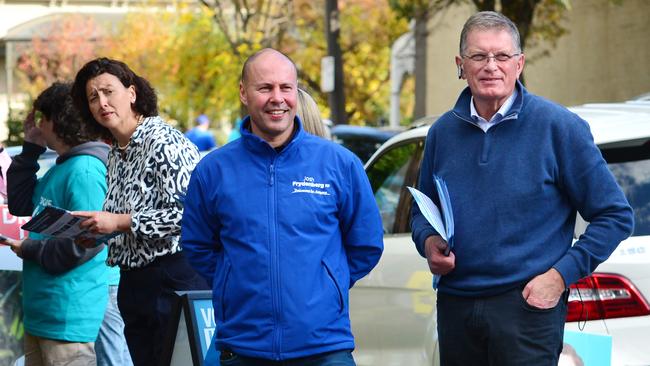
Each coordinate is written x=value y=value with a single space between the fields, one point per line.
x=149 y=180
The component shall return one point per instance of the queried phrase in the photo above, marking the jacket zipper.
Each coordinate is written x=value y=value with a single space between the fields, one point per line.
x=483 y=158
x=274 y=258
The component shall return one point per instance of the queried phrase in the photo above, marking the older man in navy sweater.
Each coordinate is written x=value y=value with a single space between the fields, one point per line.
x=518 y=167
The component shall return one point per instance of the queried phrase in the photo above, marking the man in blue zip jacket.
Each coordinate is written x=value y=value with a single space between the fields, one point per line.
x=282 y=224
x=517 y=167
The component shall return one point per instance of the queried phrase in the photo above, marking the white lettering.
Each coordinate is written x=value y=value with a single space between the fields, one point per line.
x=207 y=335
x=7 y=219
x=322 y=193
x=208 y=317
x=309 y=185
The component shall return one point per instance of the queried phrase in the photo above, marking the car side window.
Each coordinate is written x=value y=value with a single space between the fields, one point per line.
x=631 y=168
x=389 y=175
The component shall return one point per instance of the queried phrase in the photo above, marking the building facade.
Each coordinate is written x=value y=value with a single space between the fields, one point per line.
x=605 y=57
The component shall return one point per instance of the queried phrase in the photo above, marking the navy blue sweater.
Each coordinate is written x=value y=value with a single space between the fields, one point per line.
x=515 y=190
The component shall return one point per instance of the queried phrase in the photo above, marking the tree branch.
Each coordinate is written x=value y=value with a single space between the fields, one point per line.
x=219 y=19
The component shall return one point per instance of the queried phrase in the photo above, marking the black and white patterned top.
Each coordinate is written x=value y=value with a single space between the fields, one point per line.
x=149 y=181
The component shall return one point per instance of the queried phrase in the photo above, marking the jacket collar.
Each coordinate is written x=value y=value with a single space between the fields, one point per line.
x=257 y=144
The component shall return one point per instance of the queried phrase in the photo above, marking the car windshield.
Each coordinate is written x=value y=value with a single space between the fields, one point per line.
x=45 y=161
x=361 y=140
x=631 y=167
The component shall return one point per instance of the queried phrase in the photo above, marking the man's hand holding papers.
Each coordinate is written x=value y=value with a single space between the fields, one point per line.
x=438 y=247
x=439 y=263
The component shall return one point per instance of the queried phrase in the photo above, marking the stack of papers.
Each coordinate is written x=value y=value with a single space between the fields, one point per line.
x=443 y=222
x=59 y=223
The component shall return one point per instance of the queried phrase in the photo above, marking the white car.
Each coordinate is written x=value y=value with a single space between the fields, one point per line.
x=393 y=309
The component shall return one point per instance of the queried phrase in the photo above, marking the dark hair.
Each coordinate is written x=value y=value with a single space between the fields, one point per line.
x=145 y=104
x=56 y=105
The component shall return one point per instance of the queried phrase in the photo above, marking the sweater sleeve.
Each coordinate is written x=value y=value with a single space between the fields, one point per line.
x=420 y=227
x=593 y=191
x=21 y=179
x=57 y=255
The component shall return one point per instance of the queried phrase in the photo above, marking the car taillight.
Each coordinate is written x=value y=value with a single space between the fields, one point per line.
x=604 y=296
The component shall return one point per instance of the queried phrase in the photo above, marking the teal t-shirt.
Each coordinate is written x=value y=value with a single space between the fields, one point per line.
x=68 y=306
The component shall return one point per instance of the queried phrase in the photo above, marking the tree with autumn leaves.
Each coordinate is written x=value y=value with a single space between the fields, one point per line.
x=188 y=61
x=65 y=46
x=240 y=28
x=193 y=56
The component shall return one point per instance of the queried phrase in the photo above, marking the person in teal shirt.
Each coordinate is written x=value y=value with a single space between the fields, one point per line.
x=234 y=133
x=65 y=286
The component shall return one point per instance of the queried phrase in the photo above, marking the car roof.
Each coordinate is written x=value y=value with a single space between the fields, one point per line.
x=616 y=123
x=415 y=133
x=642 y=97
x=611 y=124
x=371 y=132
x=15 y=150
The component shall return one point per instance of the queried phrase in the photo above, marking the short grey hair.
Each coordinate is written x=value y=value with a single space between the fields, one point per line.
x=489 y=20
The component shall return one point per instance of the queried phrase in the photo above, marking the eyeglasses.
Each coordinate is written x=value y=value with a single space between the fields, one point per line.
x=499 y=57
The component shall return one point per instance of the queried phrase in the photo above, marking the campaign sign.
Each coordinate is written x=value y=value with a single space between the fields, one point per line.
x=205 y=323
x=10 y=227
x=192 y=326
x=589 y=349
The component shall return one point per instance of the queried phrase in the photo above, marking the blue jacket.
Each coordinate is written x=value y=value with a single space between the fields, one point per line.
x=514 y=192
x=281 y=237
x=204 y=140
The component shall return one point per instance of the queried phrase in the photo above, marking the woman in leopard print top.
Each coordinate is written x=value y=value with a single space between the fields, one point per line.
x=149 y=168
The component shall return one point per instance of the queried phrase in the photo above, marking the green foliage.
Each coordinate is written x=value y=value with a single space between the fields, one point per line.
x=249 y=25
x=368 y=28
x=15 y=127
x=539 y=21
x=368 y=34
x=547 y=27
x=11 y=315
x=70 y=43
x=242 y=28
x=188 y=60
x=204 y=77
x=193 y=56
x=418 y=9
